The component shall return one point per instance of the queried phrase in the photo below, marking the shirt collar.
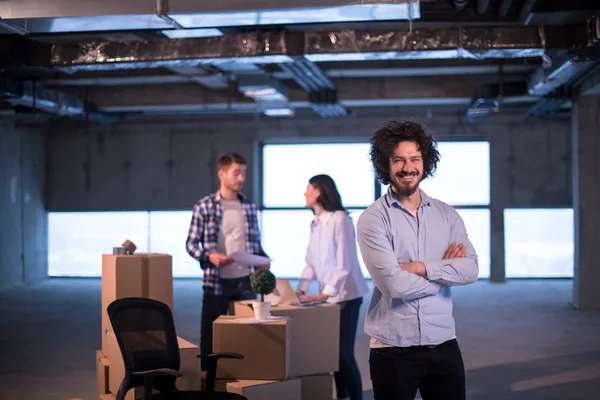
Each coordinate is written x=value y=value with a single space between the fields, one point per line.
x=242 y=198
x=392 y=200
x=323 y=217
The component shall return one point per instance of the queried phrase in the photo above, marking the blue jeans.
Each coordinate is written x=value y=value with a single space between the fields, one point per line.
x=348 y=383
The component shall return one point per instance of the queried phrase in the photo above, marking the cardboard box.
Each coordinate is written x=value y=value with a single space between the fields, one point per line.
x=317 y=387
x=137 y=275
x=192 y=378
x=102 y=372
x=265 y=346
x=263 y=390
x=315 y=336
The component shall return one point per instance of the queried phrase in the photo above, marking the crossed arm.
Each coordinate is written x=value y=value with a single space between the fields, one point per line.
x=416 y=279
x=459 y=265
x=381 y=262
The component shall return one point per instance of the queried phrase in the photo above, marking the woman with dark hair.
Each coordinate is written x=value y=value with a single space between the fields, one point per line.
x=332 y=260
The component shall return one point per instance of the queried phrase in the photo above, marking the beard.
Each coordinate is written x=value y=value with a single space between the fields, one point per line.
x=405 y=189
x=234 y=187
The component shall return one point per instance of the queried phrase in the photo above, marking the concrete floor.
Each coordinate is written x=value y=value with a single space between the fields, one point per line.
x=520 y=340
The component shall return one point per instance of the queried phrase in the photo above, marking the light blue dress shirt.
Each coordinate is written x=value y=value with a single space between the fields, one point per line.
x=407 y=309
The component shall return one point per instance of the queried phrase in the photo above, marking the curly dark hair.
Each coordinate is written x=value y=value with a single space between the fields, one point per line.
x=384 y=142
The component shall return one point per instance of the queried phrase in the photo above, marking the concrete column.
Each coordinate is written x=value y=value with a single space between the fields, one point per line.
x=586 y=197
x=24 y=233
x=500 y=183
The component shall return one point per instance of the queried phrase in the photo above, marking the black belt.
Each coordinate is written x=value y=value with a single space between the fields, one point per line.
x=421 y=347
x=433 y=346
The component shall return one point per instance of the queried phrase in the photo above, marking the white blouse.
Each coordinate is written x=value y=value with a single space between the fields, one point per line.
x=332 y=258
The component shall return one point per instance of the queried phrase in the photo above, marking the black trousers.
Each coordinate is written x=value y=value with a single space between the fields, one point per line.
x=214 y=306
x=348 y=383
x=437 y=372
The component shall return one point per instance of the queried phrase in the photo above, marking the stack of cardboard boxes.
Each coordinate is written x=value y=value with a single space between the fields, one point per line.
x=138 y=275
x=291 y=356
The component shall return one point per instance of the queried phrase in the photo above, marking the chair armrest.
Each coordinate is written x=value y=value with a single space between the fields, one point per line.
x=149 y=378
x=158 y=372
x=217 y=356
x=211 y=366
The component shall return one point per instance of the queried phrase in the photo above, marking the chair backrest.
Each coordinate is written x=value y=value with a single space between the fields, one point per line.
x=146 y=334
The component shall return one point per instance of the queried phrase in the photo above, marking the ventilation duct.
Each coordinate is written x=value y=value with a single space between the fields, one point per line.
x=504 y=7
x=557 y=12
x=64 y=16
x=261 y=88
x=204 y=75
x=488 y=98
x=344 y=45
x=27 y=94
x=592 y=50
x=548 y=105
x=459 y=4
x=270 y=94
x=562 y=72
x=322 y=92
x=308 y=75
x=325 y=103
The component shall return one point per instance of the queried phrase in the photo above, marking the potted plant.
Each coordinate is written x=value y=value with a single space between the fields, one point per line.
x=262 y=282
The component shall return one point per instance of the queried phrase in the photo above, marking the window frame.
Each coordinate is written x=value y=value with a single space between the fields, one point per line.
x=505 y=249
x=259 y=172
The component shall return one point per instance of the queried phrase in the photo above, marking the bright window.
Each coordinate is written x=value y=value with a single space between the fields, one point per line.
x=287 y=169
x=477 y=223
x=462 y=177
x=168 y=232
x=285 y=236
x=539 y=243
x=77 y=240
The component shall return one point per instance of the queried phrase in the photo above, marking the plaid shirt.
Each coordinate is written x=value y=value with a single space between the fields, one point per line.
x=204 y=228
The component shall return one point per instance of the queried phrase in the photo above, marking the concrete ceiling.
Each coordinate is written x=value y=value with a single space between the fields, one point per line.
x=481 y=60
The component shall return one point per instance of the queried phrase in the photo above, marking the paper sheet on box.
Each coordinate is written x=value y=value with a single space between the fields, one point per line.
x=249 y=259
x=256 y=321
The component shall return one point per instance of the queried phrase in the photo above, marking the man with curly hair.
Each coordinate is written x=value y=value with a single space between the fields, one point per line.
x=415 y=248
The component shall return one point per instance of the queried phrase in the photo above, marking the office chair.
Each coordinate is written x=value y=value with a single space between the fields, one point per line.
x=145 y=331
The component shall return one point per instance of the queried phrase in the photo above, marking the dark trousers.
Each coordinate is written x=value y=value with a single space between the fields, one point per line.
x=348 y=383
x=214 y=306
x=437 y=372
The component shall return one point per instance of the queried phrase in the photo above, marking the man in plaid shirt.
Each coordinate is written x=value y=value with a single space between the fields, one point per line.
x=223 y=223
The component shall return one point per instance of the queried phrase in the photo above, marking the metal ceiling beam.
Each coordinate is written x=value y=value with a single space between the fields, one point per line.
x=548 y=105
x=372 y=90
x=562 y=72
x=330 y=73
x=31 y=95
x=344 y=45
x=458 y=103
x=590 y=85
x=557 y=12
